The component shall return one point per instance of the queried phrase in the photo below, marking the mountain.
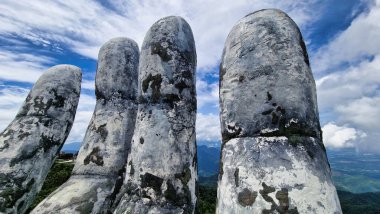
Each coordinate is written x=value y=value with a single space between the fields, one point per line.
x=71 y=147
x=208 y=160
x=352 y=171
x=355 y=172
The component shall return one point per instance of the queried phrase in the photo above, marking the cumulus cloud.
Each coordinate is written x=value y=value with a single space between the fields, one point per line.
x=335 y=136
x=208 y=128
x=85 y=110
x=83 y=28
x=207 y=95
x=348 y=86
x=350 y=92
x=363 y=112
x=360 y=39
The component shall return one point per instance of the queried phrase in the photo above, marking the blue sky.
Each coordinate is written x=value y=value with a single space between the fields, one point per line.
x=342 y=37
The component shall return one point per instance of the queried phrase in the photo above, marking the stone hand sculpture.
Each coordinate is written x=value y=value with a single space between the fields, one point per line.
x=273 y=158
x=162 y=166
x=28 y=146
x=99 y=168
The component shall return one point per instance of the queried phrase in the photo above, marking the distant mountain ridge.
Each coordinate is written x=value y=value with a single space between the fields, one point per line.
x=352 y=171
x=71 y=147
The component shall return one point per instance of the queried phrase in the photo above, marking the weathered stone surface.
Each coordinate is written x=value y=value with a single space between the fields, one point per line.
x=162 y=166
x=273 y=159
x=28 y=146
x=288 y=175
x=99 y=169
x=266 y=85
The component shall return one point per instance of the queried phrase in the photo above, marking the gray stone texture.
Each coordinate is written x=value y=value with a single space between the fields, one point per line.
x=162 y=166
x=265 y=73
x=273 y=159
x=99 y=168
x=29 y=145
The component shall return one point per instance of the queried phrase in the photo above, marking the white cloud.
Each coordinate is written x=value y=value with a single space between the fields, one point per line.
x=350 y=94
x=85 y=110
x=208 y=128
x=355 y=82
x=11 y=99
x=23 y=67
x=84 y=27
x=207 y=95
x=360 y=39
x=88 y=84
x=340 y=136
x=363 y=112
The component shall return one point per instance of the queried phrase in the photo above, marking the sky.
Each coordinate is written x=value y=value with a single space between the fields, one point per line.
x=342 y=38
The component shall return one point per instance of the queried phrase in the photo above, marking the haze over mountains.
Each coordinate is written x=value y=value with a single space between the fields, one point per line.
x=352 y=171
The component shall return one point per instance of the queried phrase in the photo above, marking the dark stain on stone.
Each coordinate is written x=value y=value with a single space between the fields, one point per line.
x=49 y=142
x=85 y=207
x=98 y=94
x=5 y=145
x=222 y=71
x=155 y=85
x=24 y=156
x=221 y=171
x=241 y=78
x=230 y=132
x=247 y=197
x=267 y=112
x=282 y=196
x=41 y=107
x=195 y=158
x=170 y=192
x=184 y=197
x=102 y=130
x=118 y=185
x=274 y=104
x=132 y=168
x=279 y=109
x=12 y=194
x=152 y=181
x=23 y=135
x=59 y=100
x=7 y=132
x=236 y=175
x=181 y=85
x=141 y=140
x=185 y=175
x=156 y=48
x=304 y=51
x=170 y=98
x=269 y=96
x=94 y=157
x=187 y=74
x=311 y=155
x=265 y=191
x=275 y=118
x=320 y=204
